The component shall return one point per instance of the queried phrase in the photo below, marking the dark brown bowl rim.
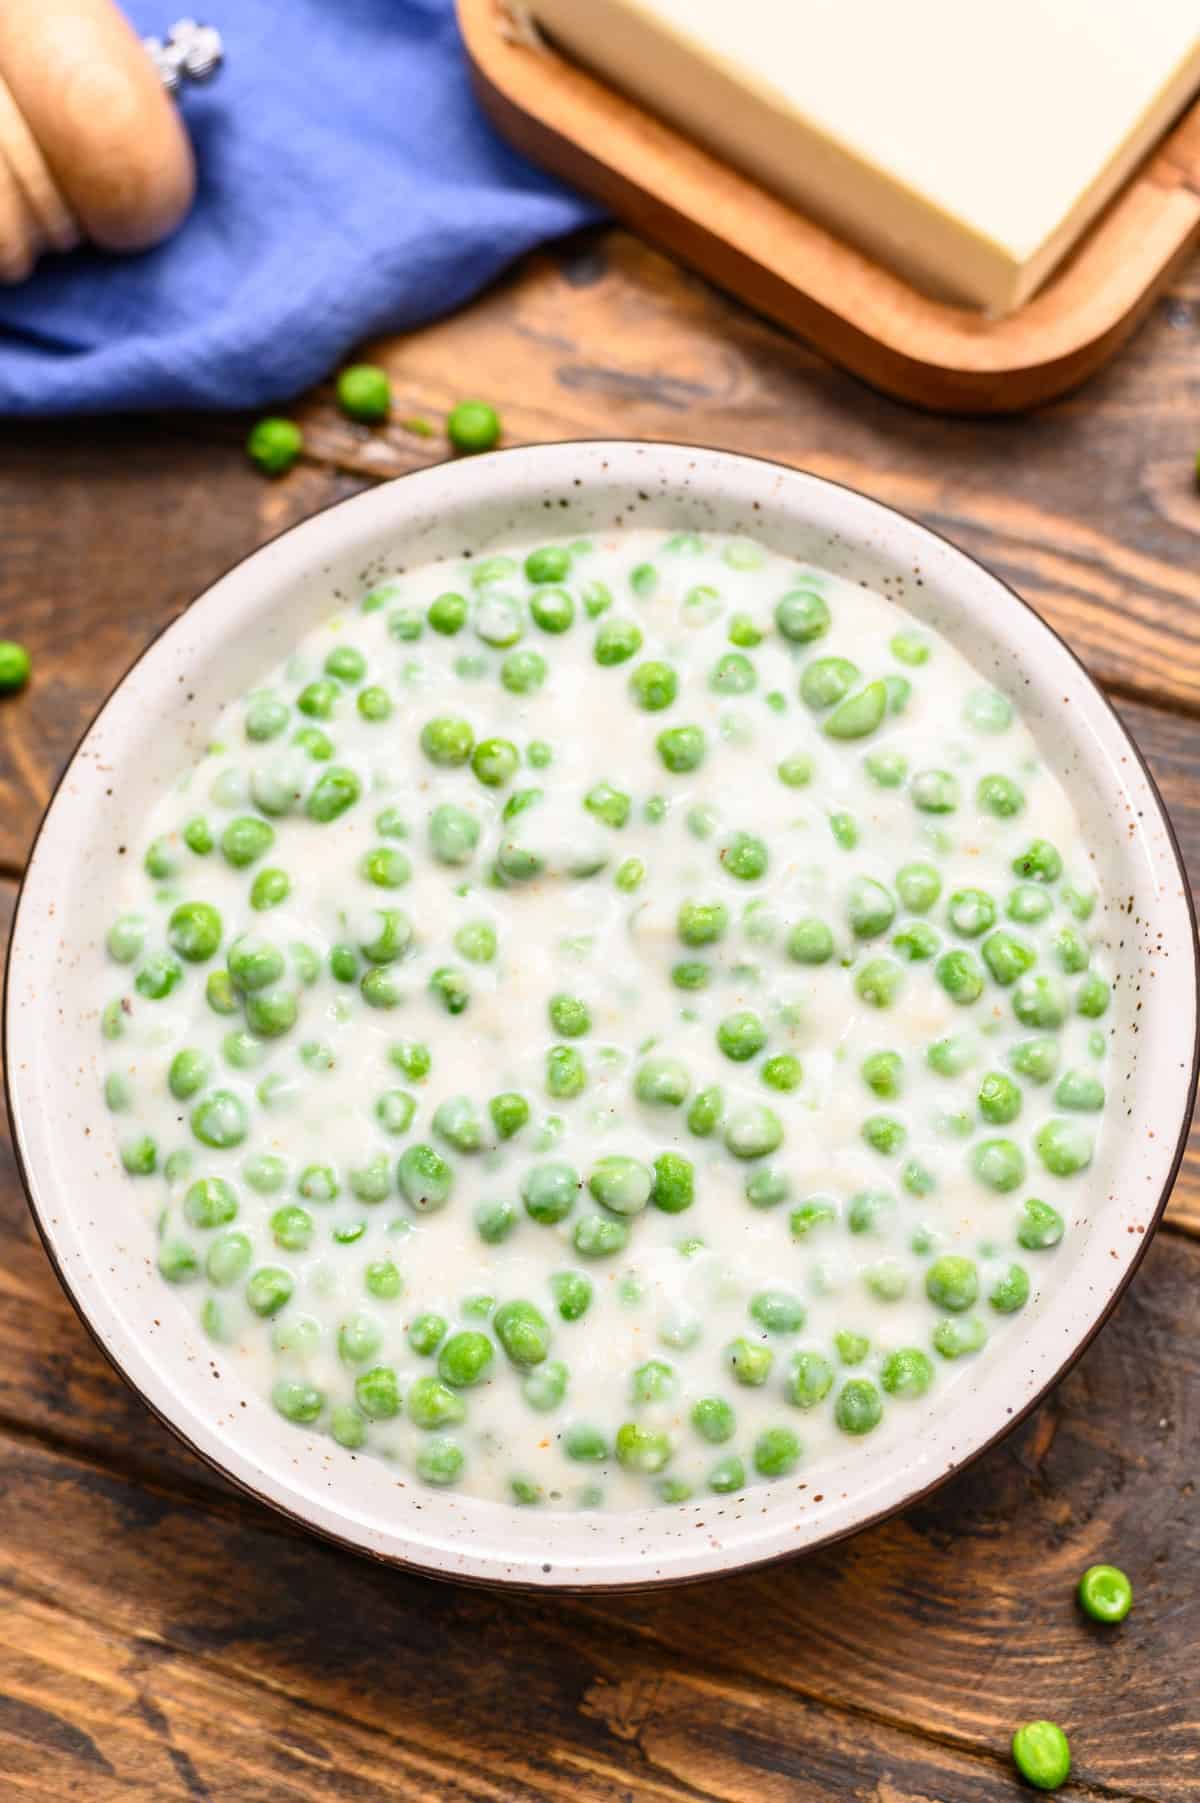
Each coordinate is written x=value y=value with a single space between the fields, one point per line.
x=740 y=1567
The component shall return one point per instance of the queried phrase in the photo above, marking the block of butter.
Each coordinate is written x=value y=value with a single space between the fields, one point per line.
x=966 y=146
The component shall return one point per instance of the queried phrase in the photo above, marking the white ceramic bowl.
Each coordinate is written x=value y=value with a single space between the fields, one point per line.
x=156 y=724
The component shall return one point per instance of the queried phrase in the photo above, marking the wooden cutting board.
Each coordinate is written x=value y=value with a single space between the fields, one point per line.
x=856 y=312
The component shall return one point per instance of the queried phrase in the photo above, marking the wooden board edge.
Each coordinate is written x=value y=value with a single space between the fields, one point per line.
x=935 y=356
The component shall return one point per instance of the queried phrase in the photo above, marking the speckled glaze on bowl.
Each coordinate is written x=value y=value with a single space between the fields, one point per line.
x=156 y=724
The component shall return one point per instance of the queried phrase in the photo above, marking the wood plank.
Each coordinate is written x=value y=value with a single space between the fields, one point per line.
x=897 y=1627
x=107 y=535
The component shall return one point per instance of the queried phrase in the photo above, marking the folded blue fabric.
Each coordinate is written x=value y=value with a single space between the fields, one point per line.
x=348 y=186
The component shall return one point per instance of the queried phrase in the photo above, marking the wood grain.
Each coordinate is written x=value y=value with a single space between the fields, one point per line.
x=784 y=264
x=161 y=1638
x=902 y=1658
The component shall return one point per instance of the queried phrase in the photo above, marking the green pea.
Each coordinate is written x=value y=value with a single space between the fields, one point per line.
x=859 y=714
x=795 y=772
x=870 y=1211
x=630 y=874
x=810 y=942
x=585 y=1443
x=809 y=1379
x=766 y=1186
x=160 y=861
x=271 y=1012
x=509 y=1113
x=918 y=886
x=1027 y=904
x=1039 y=1001
x=1064 y=1147
x=642 y=1449
x=733 y=674
x=371 y=1182
x=741 y=1036
x=1092 y=997
x=549 y=1191
x=745 y=857
x=971 y=912
x=960 y=976
x=654 y=1381
x=228 y=1259
x=424 y=1179
x=522 y=1331
x=268 y=1289
x=16 y=666
x=783 y=1072
x=265 y=1174
x=691 y=974
x=1036 y=1059
x=1105 y=1594
x=909 y=648
x=189 y=1072
x=440 y=1461
x=566 y=1075
x=545 y=1386
x=572 y=1293
x=457 y=1121
x=126 y=939
x=597 y=1237
x=870 y=909
x=776 y=1452
x=878 y=982
x=1080 y=1092
x=385 y=867
x=727 y=1476
x=950 y=1056
x=1007 y=957
x=748 y=1362
x=917 y=942
x=314 y=743
x=335 y=790
x=1000 y=796
x=374 y=704
x=959 y=1337
x=465 y=1358
x=414 y=1059
x=906 y=1373
x=662 y=1082
x=1042 y=1755
x=998 y=1163
x=859 y=1406
x=952 y=1282
x=999 y=1099
x=210 y=1203
x=888 y=769
x=447 y=741
x=405 y=624
x=934 y=791
x=706 y=1112
x=269 y=888
x=681 y=749
x=753 y=1132
x=383 y=1281
x=621 y=1184
x=197 y=836
x=1040 y=863
x=917 y=1180
x=714 y=1420
x=220 y=1120
x=884 y=1133
x=883 y=1074
x=139 y=1156
x=827 y=681
x=702 y=923
x=451 y=988
x=522 y=672
x=319 y=700
x=377 y=1393
x=777 y=1311
x=157 y=978
x=1010 y=1292
x=472 y=427
x=802 y=616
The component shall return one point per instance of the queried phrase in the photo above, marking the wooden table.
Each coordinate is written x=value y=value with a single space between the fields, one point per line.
x=162 y=1638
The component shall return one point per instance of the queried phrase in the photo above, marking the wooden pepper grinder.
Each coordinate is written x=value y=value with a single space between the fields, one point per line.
x=91 y=145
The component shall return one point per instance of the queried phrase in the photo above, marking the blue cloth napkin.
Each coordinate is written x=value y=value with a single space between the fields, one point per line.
x=348 y=185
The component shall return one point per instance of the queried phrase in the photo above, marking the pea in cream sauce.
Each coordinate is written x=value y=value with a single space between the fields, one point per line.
x=844 y=1222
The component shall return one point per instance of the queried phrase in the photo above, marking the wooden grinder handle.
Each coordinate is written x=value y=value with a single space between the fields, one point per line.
x=90 y=104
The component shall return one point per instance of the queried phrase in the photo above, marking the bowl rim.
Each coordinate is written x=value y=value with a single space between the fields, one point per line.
x=504 y=1579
